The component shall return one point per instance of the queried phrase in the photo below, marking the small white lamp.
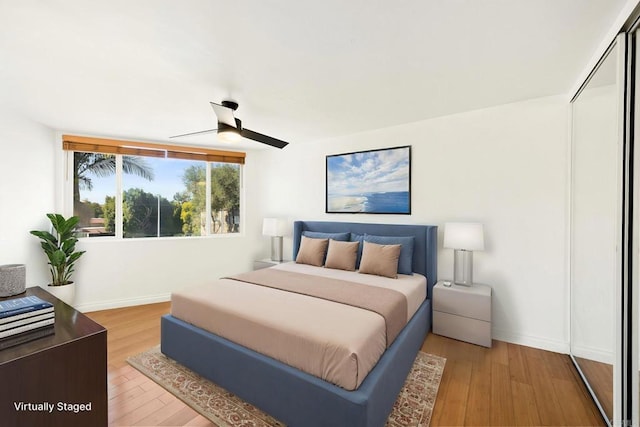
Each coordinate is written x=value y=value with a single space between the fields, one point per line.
x=274 y=227
x=464 y=237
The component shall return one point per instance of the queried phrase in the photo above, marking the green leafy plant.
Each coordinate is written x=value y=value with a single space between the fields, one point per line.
x=60 y=248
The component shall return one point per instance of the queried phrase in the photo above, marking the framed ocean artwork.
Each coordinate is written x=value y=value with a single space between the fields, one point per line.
x=372 y=182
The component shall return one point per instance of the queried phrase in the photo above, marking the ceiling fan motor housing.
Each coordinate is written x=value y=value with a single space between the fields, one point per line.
x=223 y=127
x=230 y=104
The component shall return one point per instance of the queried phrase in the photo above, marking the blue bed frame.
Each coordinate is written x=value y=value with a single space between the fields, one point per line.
x=295 y=397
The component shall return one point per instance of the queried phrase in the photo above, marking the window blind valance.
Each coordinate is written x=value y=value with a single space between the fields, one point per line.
x=148 y=149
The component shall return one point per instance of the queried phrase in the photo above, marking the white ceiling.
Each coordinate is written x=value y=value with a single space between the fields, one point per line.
x=300 y=70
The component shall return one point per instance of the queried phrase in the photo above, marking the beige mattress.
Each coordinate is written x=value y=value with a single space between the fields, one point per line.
x=336 y=342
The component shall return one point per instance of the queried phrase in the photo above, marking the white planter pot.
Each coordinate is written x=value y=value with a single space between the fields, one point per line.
x=66 y=293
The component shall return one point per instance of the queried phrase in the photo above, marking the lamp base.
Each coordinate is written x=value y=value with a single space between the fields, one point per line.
x=463 y=267
x=276 y=248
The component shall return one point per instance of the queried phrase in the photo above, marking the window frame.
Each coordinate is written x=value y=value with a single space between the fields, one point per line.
x=207 y=156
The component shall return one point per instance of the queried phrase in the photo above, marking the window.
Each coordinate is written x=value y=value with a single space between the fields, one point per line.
x=135 y=190
x=94 y=190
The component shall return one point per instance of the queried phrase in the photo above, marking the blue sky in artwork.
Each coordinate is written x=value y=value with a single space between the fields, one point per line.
x=368 y=172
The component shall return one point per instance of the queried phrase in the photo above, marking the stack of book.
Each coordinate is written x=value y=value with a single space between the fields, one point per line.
x=25 y=319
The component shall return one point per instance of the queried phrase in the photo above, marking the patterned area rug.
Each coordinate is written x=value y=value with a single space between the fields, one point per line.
x=412 y=408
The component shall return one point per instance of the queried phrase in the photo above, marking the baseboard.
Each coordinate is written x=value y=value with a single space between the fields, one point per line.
x=594 y=354
x=124 y=302
x=531 y=341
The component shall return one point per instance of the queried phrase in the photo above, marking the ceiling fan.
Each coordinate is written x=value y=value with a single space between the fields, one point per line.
x=230 y=129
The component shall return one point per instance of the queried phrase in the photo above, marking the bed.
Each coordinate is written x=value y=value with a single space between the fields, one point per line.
x=298 y=398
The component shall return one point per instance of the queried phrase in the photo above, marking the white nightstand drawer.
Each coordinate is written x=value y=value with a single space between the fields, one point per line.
x=468 y=301
x=462 y=328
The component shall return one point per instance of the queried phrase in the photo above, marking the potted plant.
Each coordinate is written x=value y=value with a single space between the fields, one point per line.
x=60 y=249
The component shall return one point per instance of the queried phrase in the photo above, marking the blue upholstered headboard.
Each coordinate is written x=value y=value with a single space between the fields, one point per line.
x=425 y=251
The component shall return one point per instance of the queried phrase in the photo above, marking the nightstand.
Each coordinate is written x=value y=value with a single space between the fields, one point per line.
x=463 y=312
x=266 y=263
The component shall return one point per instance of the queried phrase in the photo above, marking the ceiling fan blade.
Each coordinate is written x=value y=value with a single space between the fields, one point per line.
x=224 y=114
x=274 y=142
x=194 y=133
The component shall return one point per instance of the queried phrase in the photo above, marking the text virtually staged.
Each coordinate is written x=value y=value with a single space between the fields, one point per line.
x=51 y=407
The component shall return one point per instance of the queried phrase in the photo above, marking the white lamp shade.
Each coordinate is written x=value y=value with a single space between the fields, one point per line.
x=468 y=236
x=273 y=227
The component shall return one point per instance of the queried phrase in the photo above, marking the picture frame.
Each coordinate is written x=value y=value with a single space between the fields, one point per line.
x=369 y=182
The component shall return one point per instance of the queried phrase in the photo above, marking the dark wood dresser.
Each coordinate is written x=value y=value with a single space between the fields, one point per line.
x=56 y=380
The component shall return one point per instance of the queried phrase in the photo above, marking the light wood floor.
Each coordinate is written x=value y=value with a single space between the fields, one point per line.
x=135 y=400
x=509 y=385
x=600 y=376
x=504 y=385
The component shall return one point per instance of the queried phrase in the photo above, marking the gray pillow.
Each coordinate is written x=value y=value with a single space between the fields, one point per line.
x=343 y=237
x=357 y=238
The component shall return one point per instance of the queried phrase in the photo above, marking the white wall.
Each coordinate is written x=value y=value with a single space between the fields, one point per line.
x=505 y=167
x=139 y=271
x=27 y=192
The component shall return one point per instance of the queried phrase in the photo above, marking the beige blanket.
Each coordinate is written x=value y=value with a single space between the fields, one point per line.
x=388 y=303
x=336 y=342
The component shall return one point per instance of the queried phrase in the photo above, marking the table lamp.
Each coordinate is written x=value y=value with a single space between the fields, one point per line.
x=464 y=238
x=274 y=227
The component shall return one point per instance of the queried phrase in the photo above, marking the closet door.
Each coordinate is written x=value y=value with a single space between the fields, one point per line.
x=633 y=293
x=597 y=232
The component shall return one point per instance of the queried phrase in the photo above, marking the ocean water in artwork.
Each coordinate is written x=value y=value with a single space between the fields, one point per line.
x=383 y=202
